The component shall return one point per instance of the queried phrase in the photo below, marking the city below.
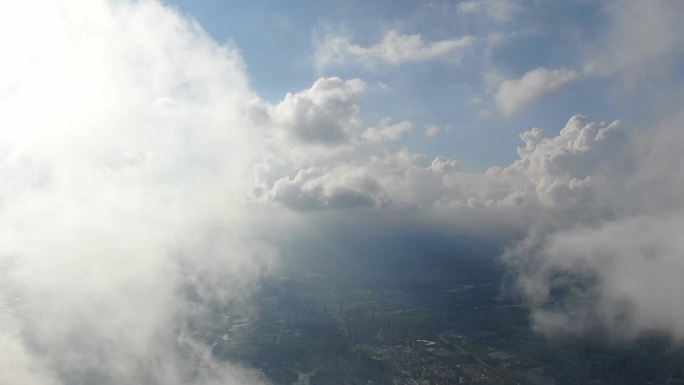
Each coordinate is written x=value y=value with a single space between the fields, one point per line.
x=312 y=328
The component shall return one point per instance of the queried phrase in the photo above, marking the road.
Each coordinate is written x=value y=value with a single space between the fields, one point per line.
x=498 y=373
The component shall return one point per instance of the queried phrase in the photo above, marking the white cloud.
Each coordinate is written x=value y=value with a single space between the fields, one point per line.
x=312 y=189
x=342 y=180
x=515 y=95
x=443 y=165
x=620 y=278
x=395 y=48
x=642 y=40
x=610 y=244
x=499 y=10
x=121 y=158
x=386 y=132
x=551 y=174
x=561 y=169
x=431 y=131
x=325 y=114
x=609 y=262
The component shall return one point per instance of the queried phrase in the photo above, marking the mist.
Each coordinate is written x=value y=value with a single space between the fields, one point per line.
x=123 y=227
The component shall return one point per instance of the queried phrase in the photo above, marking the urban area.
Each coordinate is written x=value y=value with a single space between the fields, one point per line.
x=312 y=328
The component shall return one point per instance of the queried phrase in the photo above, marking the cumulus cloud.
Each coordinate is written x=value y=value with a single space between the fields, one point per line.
x=386 y=132
x=514 y=95
x=444 y=165
x=122 y=228
x=325 y=114
x=562 y=169
x=395 y=48
x=313 y=189
x=381 y=180
x=597 y=263
x=554 y=174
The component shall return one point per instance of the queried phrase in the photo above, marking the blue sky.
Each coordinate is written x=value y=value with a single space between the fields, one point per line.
x=279 y=43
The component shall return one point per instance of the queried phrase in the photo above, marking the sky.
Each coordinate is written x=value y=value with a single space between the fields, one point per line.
x=157 y=159
x=452 y=88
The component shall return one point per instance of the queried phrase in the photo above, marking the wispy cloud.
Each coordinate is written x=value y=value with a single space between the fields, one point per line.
x=499 y=10
x=395 y=48
x=514 y=95
x=386 y=132
x=431 y=131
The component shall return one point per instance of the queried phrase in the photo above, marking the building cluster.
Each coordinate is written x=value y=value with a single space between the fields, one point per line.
x=408 y=363
x=363 y=338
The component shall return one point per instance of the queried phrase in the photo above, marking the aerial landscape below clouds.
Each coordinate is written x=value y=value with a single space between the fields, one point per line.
x=149 y=174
